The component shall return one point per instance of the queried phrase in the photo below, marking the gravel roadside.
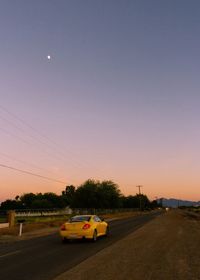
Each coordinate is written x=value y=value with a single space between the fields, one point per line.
x=165 y=248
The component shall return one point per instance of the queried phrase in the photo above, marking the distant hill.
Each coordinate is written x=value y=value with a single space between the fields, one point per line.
x=172 y=202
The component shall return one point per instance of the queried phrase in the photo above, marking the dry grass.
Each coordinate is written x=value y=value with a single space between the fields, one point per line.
x=30 y=227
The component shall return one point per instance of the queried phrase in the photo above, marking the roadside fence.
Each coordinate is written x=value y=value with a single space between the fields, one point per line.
x=69 y=211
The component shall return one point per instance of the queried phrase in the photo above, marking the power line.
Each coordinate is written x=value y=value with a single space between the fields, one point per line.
x=59 y=156
x=50 y=155
x=32 y=174
x=28 y=163
x=25 y=162
x=53 y=145
x=28 y=143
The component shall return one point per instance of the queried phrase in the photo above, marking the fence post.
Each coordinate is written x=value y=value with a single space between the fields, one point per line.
x=11 y=218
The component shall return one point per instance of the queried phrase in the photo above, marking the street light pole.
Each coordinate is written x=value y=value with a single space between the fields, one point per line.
x=139 y=187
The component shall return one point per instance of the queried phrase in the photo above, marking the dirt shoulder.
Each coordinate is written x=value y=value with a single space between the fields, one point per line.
x=165 y=248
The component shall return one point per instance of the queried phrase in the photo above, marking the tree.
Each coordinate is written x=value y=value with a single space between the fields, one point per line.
x=91 y=194
x=68 y=195
x=27 y=199
x=39 y=200
x=54 y=200
x=10 y=204
x=86 y=195
x=154 y=204
x=95 y=194
x=131 y=202
x=108 y=194
x=42 y=203
x=143 y=199
x=136 y=201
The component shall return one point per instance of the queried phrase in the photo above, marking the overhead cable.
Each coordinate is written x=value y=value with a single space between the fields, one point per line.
x=32 y=174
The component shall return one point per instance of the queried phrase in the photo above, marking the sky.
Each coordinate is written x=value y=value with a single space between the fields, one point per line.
x=118 y=100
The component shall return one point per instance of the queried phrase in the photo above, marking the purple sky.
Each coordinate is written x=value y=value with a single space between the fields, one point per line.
x=118 y=100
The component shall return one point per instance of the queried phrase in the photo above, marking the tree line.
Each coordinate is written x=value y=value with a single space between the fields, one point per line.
x=91 y=194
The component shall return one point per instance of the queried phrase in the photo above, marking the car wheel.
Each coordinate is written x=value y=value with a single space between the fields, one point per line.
x=107 y=231
x=94 y=238
x=65 y=240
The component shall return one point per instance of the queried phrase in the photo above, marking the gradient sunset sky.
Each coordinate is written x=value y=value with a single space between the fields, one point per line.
x=118 y=100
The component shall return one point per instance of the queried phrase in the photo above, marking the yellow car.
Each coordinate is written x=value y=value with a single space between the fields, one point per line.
x=84 y=227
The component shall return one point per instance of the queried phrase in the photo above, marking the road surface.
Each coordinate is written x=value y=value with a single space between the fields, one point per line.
x=46 y=257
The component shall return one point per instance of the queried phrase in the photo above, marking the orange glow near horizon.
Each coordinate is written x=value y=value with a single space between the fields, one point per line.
x=17 y=184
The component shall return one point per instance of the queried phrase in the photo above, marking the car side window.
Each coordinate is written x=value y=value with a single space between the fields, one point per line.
x=97 y=219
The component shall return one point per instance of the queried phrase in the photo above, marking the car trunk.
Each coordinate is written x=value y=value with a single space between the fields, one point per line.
x=74 y=226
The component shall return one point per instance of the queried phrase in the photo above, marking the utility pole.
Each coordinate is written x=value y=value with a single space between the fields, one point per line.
x=140 y=197
x=161 y=202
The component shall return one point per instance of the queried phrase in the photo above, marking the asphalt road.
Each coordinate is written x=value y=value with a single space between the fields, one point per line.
x=46 y=257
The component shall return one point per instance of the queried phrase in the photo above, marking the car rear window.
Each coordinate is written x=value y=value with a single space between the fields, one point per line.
x=79 y=219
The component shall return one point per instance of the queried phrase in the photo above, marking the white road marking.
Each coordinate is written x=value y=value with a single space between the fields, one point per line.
x=10 y=254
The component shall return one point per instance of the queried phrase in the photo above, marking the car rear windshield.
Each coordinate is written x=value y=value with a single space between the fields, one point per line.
x=80 y=219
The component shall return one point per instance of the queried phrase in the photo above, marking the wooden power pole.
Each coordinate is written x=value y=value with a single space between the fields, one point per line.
x=140 y=197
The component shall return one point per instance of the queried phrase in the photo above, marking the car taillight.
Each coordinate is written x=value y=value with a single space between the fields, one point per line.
x=86 y=226
x=63 y=227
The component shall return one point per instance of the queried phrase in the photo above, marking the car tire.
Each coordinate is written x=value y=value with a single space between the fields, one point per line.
x=94 y=238
x=65 y=240
x=107 y=233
